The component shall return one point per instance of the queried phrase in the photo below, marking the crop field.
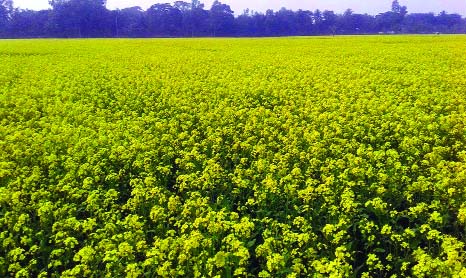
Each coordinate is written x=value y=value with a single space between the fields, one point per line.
x=278 y=157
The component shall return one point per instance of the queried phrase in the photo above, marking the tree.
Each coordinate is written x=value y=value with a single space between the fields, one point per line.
x=449 y=23
x=90 y=18
x=346 y=23
x=304 y=22
x=398 y=9
x=352 y=23
x=392 y=21
x=30 y=24
x=419 y=23
x=329 y=23
x=164 y=20
x=182 y=6
x=244 y=24
x=399 y=13
x=6 y=10
x=130 y=22
x=221 y=19
x=318 y=20
x=81 y=18
x=196 y=19
x=285 y=21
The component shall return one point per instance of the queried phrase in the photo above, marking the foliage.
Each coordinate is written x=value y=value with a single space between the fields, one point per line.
x=299 y=157
x=90 y=18
x=6 y=8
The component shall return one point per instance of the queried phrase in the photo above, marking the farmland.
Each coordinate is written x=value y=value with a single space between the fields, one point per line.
x=278 y=157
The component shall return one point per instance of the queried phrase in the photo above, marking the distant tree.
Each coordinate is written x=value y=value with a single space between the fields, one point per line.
x=90 y=18
x=270 y=23
x=286 y=21
x=185 y=9
x=303 y=21
x=182 y=6
x=398 y=14
x=130 y=22
x=81 y=18
x=260 y=24
x=30 y=24
x=396 y=7
x=363 y=23
x=450 y=23
x=318 y=20
x=419 y=23
x=347 y=23
x=6 y=10
x=244 y=24
x=221 y=19
x=329 y=23
x=196 y=4
x=352 y=23
x=164 y=20
x=196 y=19
x=429 y=23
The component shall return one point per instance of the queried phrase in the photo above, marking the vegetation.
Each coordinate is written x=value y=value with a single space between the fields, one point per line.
x=91 y=18
x=297 y=157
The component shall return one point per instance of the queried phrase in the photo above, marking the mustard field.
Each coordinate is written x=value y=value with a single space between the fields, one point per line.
x=278 y=157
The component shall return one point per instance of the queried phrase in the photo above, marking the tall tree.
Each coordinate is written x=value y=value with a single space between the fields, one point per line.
x=30 y=24
x=392 y=21
x=286 y=22
x=130 y=22
x=450 y=23
x=164 y=20
x=399 y=15
x=304 y=22
x=196 y=19
x=397 y=8
x=329 y=25
x=82 y=18
x=318 y=19
x=6 y=10
x=221 y=19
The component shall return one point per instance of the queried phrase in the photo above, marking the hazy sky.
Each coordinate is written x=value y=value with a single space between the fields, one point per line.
x=360 y=6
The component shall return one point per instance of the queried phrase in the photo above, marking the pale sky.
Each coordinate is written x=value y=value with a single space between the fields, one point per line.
x=359 y=6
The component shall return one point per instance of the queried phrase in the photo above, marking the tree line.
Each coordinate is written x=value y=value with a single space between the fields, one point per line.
x=91 y=18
